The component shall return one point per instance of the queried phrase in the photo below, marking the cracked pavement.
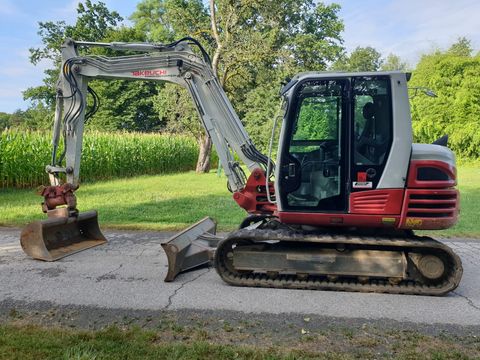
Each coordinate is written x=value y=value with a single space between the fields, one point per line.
x=127 y=273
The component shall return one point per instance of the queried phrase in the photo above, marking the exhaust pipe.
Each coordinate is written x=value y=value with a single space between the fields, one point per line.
x=57 y=237
x=193 y=247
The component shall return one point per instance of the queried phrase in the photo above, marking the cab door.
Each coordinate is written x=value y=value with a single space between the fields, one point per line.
x=372 y=130
x=314 y=162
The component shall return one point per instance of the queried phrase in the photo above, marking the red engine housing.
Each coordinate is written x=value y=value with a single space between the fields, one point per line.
x=427 y=203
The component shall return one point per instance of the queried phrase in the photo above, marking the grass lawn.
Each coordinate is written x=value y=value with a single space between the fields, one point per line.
x=469 y=185
x=163 y=202
x=173 y=202
x=34 y=342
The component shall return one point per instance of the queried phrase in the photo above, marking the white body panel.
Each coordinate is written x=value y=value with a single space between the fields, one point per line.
x=433 y=152
x=396 y=168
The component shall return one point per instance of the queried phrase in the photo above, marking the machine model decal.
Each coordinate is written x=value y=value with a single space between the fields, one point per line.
x=149 y=73
x=413 y=222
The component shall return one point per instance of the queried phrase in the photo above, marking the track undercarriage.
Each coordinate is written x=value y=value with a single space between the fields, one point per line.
x=399 y=263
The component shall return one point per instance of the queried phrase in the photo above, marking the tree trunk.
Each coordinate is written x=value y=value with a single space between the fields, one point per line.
x=205 y=143
x=203 y=162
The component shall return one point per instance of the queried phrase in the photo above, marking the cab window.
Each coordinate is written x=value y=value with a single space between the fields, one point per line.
x=372 y=120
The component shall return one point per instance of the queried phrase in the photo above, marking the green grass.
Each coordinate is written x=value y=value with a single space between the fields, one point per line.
x=172 y=202
x=469 y=185
x=25 y=341
x=166 y=202
x=31 y=342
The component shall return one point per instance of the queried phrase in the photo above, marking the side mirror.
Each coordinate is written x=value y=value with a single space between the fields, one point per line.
x=424 y=90
x=430 y=93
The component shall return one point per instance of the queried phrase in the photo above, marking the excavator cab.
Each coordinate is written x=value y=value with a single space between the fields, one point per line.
x=338 y=134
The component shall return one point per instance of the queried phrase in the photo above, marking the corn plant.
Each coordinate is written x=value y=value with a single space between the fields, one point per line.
x=23 y=156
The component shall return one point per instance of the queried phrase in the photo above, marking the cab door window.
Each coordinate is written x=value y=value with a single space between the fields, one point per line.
x=372 y=130
x=372 y=120
x=314 y=172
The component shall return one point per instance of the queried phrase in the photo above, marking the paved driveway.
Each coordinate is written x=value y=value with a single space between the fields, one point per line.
x=128 y=273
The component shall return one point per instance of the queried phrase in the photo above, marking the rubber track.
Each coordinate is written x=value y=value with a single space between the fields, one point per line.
x=316 y=282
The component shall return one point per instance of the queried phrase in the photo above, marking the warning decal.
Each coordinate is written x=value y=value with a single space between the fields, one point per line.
x=362 y=185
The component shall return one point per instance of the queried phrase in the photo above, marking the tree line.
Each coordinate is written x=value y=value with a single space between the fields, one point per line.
x=254 y=45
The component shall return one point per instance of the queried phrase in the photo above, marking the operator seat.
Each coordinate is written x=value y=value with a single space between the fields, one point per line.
x=368 y=113
x=365 y=135
x=372 y=143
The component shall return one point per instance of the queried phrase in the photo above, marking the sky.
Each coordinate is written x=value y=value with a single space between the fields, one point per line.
x=406 y=28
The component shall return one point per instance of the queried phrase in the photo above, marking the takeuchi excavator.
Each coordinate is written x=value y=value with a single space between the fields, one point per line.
x=336 y=211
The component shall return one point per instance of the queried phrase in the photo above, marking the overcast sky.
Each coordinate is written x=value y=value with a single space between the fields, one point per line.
x=407 y=28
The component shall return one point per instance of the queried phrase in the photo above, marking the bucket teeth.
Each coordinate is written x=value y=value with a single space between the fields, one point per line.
x=57 y=237
x=193 y=247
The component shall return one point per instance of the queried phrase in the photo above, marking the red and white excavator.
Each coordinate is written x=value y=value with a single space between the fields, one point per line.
x=338 y=209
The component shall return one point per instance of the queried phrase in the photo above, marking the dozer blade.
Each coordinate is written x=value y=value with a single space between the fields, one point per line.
x=191 y=248
x=57 y=237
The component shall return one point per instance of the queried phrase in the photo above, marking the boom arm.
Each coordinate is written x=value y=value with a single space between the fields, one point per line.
x=175 y=63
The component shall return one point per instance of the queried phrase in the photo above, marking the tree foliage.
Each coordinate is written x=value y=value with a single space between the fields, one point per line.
x=163 y=22
x=38 y=117
x=125 y=105
x=361 y=59
x=462 y=47
x=254 y=46
x=93 y=22
x=394 y=62
x=454 y=75
x=4 y=120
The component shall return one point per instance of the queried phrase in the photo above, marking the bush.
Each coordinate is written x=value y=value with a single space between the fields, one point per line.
x=24 y=154
x=456 y=111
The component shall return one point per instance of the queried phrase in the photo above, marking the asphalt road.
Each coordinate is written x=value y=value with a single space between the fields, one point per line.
x=128 y=272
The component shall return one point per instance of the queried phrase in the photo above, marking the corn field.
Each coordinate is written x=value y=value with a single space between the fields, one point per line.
x=23 y=156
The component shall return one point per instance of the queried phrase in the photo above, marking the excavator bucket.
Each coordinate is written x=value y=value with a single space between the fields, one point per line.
x=57 y=237
x=191 y=248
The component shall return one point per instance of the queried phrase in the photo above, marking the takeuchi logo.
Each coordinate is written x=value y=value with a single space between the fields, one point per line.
x=149 y=73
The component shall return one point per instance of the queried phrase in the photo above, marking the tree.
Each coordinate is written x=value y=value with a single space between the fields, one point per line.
x=4 y=120
x=258 y=118
x=14 y=120
x=125 y=105
x=247 y=39
x=455 y=78
x=92 y=24
x=463 y=47
x=163 y=22
x=394 y=62
x=361 y=59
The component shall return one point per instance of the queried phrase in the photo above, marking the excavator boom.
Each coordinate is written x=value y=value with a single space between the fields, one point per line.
x=66 y=230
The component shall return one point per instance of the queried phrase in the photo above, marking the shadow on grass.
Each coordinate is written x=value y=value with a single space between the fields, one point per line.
x=19 y=207
x=171 y=214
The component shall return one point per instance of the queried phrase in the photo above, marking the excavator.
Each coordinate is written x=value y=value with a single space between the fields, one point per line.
x=338 y=208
